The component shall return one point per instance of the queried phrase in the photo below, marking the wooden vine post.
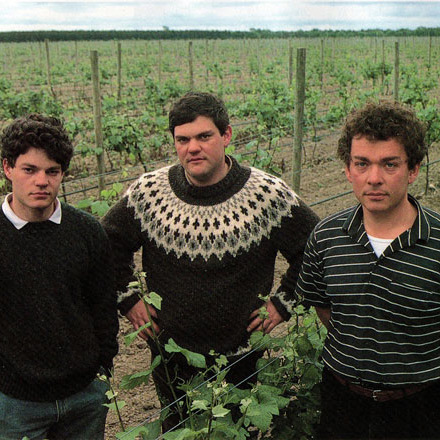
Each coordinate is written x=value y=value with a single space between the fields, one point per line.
x=383 y=63
x=290 y=63
x=321 y=70
x=159 y=62
x=49 y=78
x=429 y=52
x=190 y=63
x=396 y=71
x=97 y=116
x=300 y=95
x=119 y=71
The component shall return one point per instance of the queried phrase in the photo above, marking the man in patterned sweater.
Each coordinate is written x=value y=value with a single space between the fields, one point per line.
x=209 y=230
x=58 y=310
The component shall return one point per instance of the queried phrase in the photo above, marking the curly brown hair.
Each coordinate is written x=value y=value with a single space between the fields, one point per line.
x=194 y=104
x=381 y=122
x=38 y=131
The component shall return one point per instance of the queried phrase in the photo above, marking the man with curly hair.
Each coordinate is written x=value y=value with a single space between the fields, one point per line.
x=210 y=230
x=373 y=274
x=57 y=303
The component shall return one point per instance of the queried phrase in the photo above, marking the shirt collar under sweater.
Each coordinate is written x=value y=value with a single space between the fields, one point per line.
x=20 y=223
x=208 y=195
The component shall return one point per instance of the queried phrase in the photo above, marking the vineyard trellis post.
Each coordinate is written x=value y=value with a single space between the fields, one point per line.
x=190 y=63
x=321 y=70
x=290 y=63
x=429 y=52
x=300 y=95
x=382 y=70
x=49 y=79
x=396 y=71
x=160 y=62
x=97 y=116
x=119 y=70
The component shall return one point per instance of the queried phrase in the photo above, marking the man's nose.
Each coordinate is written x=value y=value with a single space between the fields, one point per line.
x=375 y=175
x=194 y=145
x=41 y=179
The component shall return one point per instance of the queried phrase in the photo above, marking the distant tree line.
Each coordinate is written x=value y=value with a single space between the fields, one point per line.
x=168 y=34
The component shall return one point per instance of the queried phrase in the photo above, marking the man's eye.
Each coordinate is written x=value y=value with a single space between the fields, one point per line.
x=28 y=170
x=360 y=164
x=391 y=165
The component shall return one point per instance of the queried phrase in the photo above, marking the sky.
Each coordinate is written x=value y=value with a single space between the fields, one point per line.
x=289 y=15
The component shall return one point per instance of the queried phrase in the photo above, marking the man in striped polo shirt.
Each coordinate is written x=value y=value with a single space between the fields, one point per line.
x=373 y=274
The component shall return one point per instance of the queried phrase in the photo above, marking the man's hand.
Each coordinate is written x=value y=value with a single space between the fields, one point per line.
x=138 y=316
x=324 y=315
x=268 y=324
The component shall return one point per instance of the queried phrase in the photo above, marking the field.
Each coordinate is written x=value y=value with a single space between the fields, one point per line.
x=257 y=80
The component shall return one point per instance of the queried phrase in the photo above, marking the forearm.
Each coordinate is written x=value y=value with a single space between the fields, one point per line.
x=125 y=239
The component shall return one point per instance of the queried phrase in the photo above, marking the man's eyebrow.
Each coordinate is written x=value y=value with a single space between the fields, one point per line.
x=31 y=165
x=385 y=159
x=182 y=136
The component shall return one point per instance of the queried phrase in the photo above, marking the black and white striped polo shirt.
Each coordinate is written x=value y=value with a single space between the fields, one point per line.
x=385 y=319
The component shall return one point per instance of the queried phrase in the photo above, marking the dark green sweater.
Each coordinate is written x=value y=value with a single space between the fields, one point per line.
x=209 y=251
x=57 y=306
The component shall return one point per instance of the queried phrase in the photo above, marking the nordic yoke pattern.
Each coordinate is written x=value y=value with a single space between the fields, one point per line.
x=209 y=251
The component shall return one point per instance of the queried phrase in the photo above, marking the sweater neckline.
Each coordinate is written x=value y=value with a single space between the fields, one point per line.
x=218 y=192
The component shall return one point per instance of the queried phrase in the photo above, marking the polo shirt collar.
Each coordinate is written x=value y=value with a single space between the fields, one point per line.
x=420 y=230
x=19 y=222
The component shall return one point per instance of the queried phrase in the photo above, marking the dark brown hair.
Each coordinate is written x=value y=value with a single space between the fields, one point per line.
x=37 y=131
x=381 y=122
x=194 y=104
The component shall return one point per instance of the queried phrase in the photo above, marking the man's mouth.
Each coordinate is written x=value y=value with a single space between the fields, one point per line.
x=376 y=194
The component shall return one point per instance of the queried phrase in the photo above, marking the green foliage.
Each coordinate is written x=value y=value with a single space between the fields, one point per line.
x=371 y=70
x=195 y=359
x=100 y=207
x=19 y=104
x=283 y=403
x=415 y=88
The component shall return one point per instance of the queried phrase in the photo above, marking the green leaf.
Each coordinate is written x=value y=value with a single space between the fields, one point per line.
x=114 y=407
x=200 y=404
x=133 y=335
x=154 y=299
x=100 y=207
x=131 y=381
x=84 y=204
x=220 y=411
x=195 y=359
x=180 y=434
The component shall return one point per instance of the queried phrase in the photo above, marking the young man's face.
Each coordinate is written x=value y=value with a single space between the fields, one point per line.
x=379 y=174
x=201 y=150
x=35 y=183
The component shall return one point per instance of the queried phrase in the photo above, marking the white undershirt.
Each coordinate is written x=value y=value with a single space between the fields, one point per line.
x=379 y=244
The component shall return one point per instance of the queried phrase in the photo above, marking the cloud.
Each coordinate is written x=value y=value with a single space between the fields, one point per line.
x=224 y=14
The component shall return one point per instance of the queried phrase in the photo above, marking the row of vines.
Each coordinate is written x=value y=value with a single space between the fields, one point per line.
x=256 y=78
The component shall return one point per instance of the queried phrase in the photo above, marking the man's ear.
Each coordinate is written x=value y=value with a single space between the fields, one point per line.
x=348 y=173
x=227 y=135
x=413 y=173
x=7 y=168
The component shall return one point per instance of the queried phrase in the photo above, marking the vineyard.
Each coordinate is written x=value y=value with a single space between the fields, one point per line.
x=114 y=98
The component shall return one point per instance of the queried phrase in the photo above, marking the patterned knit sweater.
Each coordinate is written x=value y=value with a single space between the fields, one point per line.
x=57 y=306
x=209 y=251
